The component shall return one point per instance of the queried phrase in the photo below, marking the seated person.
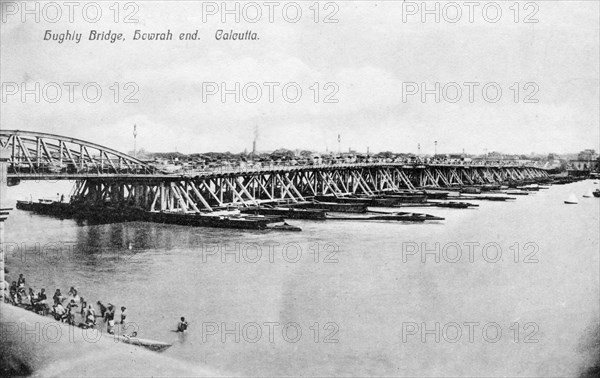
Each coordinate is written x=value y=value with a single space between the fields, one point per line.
x=59 y=311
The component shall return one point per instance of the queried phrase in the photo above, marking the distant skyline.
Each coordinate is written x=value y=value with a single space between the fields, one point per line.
x=371 y=71
x=143 y=150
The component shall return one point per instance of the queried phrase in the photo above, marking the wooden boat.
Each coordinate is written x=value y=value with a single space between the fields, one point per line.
x=287 y=212
x=338 y=207
x=382 y=202
x=384 y=216
x=483 y=198
x=343 y=199
x=470 y=190
x=448 y=204
x=532 y=187
x=416 y=197
x=156 y=346
x=588 y=194
x=517 y=192
x=490 y=187
x=436 y=194
x=455 y=205
x=572 y=200
x=284 y=227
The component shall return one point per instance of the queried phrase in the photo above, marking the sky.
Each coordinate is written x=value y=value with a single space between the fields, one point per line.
x=371 y=67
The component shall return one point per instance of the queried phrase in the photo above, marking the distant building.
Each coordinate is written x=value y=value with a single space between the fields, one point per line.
x=587 y=161
x=585 y=165
x=587 y=155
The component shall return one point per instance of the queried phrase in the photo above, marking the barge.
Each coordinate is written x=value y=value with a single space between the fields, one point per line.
x=374 y=216
x=107 y=214
x=483 y=198
x=287 y=212
x=360 y=207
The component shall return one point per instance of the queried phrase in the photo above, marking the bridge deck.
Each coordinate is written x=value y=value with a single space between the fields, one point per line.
x=230 y=172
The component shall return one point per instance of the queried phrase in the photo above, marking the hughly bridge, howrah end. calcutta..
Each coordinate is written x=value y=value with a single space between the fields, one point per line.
x=103 y=175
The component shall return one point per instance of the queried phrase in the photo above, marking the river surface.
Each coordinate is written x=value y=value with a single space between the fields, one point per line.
x=515 y=291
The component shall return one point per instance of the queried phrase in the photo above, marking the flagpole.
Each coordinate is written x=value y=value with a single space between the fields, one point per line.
x=134 y=140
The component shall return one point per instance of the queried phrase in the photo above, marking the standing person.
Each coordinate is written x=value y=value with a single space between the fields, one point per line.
x=109 y=317
x=71 y=312
x=123 y=314
x=83 y=305
x=182 y=325
x=21 y=281
x=102 y=308
x=90 y=311
x=90 y=316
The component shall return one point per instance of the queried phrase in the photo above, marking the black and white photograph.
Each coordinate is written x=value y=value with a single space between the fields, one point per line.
x=308 y=188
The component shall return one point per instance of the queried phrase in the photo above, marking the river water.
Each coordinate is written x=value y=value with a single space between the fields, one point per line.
x=514 y=292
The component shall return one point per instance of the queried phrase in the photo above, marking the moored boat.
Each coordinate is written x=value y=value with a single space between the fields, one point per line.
x=284 y=227
x=400 y=217
x=360 y=207
x=572 y=200
x=436 y=194
x=416 y=197
x=156 y=346
x=517 y=192
x=456 y=205
x=470 y=190
x=287 y=212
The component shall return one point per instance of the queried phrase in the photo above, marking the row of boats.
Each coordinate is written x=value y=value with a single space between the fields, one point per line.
x=383 y=206
x=572 y=200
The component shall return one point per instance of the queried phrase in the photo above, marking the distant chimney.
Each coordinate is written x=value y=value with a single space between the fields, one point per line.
x=254 y=147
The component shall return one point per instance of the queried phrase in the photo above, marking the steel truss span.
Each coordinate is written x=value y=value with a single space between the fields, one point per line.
x=210 y=192
x=42 y=155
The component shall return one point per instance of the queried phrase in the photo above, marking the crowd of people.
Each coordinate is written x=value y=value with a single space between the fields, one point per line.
x=72 y=308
